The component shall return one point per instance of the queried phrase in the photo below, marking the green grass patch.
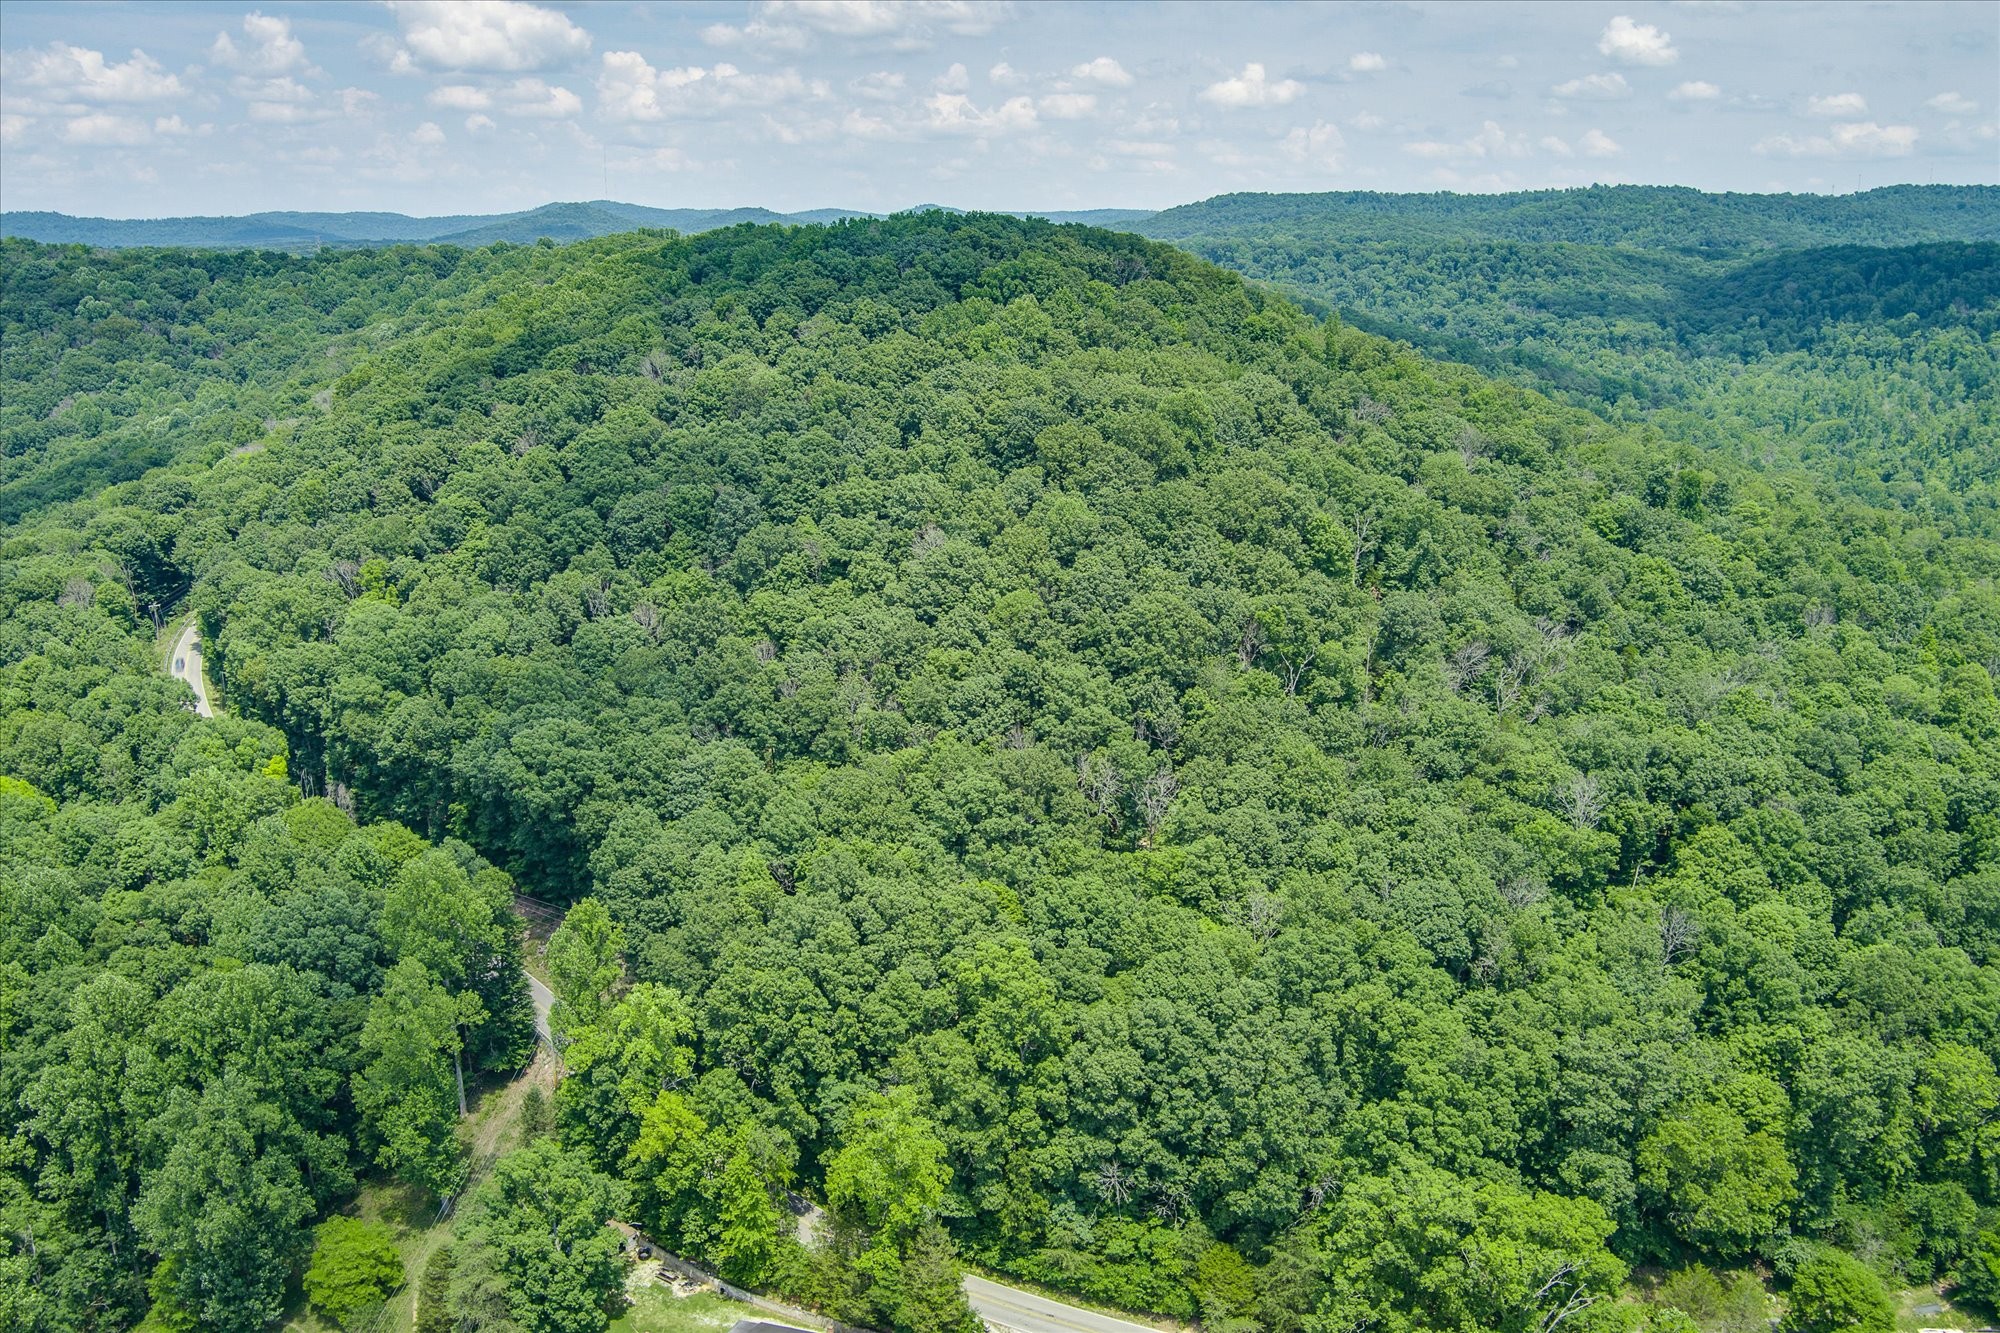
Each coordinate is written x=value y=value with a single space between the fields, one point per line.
x=655 y=1309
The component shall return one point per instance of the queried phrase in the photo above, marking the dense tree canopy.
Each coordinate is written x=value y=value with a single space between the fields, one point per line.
x=1070 y=760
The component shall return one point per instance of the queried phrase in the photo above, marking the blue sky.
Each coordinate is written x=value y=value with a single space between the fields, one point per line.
x=143 y=109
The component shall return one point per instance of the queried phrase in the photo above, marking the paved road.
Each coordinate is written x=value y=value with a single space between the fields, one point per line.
x=1025 y=1312
x=185 y=665
x=544 y=999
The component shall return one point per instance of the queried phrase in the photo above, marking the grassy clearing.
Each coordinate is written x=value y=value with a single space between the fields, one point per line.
x=655 y=1309
x=1908 y=1303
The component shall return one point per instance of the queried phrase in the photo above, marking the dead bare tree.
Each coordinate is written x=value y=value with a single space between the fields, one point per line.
x=1156 y=797
x=1575 y=1302
x=1583 y=800
x=1113 y=1183
x=647 y=617
x=1679 y=934
x=1465 y=665
x=1262 y=914
x=1250 y=642
x=347 y=575
x=1364 y=523
x=1097 y=778
x=1472 y=446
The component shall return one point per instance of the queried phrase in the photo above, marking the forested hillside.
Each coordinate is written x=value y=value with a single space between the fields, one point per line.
x=1851 y=334
x=1083 y=765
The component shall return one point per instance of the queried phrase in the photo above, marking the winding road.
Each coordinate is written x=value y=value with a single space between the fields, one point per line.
x=545 y=1000
x=185 y=664
x=1017 y=1311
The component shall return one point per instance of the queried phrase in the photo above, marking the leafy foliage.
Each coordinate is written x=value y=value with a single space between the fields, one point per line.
x=1057 y=754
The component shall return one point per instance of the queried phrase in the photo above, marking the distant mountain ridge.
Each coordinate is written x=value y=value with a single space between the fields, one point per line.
x=300 y=231
x=1662 y=217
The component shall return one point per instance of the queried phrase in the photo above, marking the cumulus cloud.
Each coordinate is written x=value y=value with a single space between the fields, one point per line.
x=953 y=80
x=1318 y=144
x=1636 y=43
x=1001 y=73
x=1552 y=144
x=540 y=101
x=1594 y=87
x=1491 y=141
x=1862 y=138
x=1103 y=70
x=284 y=89
x=629 y=88
x=104 y=129
x=1067 y=106
x=460 y=97
x=1252 y=87
x=891 y=18
x=955 y=113
x=1695 y=90
x=775 y=36
x=427 y=135
x=478 y=124
x=499 y=36
x=269 y=47
x=77 y=74
x=1367 y=62
x=1837 y=104
x=1953 y=104
x=1596 y=143
x=881 y=86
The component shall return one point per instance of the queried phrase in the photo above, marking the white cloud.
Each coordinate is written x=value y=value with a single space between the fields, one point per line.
x=478 y=124
x=880 y=86
x=1252 y=88
x=891 y=18
x=1001 y=73
x=1695 y=90
x=1596 y=143
x=1953 y=104
x=357 y=102
x=1837 y=104
x=460 y=97
x=1855 y=139
x=427 y=134
x=1067 y=106
x=13 y=128
x=540 y=101
x=1319 y=144
x=1367 y=62
x=102 y=129
x=271 y=50
x=1491 y=141
x=493 y=35
x=1636 y=43
x=283 y=89
x=169 y=125
x=953 y=80
x=286 y=112
x=1594 y=87
x=776 y=36
x=1365 y=120
x=77 y=74
x=629 y=88
x=1103 y=70
x=955 y=113
x=1552 y=144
